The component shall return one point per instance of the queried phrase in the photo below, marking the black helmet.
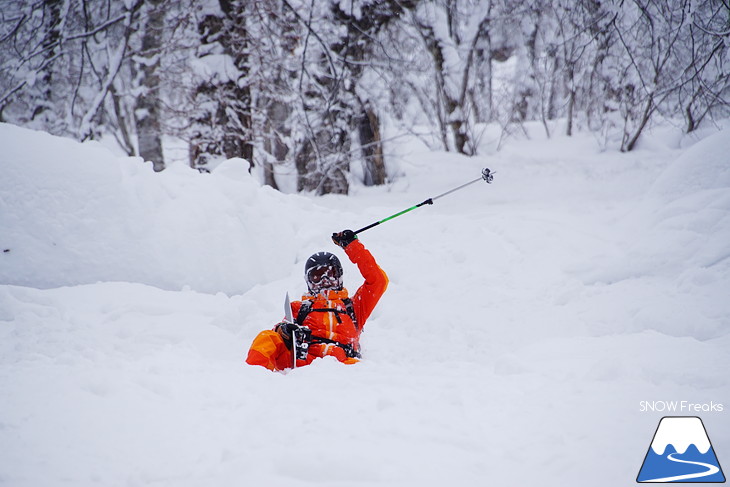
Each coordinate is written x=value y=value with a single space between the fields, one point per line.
x=323 y=271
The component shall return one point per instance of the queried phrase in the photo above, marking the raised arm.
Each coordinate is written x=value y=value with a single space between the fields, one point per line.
x=376 y=281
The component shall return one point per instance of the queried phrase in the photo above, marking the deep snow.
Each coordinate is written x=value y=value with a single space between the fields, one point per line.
x=524 y=324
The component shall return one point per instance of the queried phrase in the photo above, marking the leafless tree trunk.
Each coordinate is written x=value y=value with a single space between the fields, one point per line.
x=51 y=46
x=372 y=147
x=147 y=110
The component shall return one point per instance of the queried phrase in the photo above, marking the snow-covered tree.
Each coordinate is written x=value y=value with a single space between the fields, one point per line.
x=222 y=99
x=75 y=69
x=334 y=113
x=148 y=101
x=672 y=49
x=305 y=87
x=704 y=88
x=455 y=34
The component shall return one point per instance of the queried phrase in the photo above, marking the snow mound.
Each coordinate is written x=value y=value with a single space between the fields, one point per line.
x=689 y=205
x=681 y=225
x=75 y=213
x=702 y=167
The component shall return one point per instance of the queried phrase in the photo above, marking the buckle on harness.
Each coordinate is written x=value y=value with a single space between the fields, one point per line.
x=350 y=350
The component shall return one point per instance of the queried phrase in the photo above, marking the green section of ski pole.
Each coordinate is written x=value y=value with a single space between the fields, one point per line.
x=427 y=202
x=487 y=176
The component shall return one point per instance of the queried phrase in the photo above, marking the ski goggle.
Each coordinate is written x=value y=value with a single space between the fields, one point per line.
x=317 y=275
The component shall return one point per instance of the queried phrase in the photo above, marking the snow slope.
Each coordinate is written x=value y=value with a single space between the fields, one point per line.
x=524 y=323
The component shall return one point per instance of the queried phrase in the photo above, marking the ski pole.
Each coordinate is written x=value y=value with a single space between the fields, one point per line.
x=290 y=319
x=487 y=176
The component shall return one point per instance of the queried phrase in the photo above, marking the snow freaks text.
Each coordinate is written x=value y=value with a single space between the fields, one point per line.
x=680 y=407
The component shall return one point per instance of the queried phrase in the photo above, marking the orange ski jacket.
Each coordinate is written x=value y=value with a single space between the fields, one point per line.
x=333 y=329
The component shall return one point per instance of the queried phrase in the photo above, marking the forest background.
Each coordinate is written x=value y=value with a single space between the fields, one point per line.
x=313 y=91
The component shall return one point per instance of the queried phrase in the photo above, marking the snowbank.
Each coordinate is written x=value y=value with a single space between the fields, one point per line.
x=75 y=214
x=525 y=322
x=689 y=205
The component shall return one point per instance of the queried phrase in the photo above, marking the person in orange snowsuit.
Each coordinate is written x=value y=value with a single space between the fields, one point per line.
x=334 y=319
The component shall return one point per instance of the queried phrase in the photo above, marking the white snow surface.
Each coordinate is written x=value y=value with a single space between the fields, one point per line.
x=524 y=323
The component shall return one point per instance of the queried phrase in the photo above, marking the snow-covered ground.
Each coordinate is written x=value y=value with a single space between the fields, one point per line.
x=524 y=324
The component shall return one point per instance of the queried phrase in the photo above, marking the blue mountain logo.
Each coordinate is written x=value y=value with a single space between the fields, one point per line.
x=681 y=452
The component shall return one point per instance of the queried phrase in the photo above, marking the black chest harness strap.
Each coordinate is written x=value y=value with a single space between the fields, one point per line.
x=351 y=350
